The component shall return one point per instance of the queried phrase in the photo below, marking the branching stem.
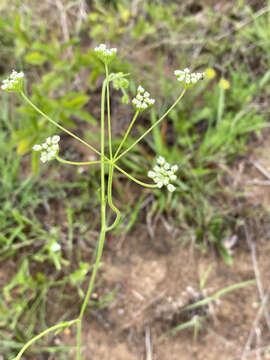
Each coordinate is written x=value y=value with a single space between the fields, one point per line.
x=154 y=125
x=112 y=162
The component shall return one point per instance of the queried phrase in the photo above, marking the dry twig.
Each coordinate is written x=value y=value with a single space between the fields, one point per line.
x=148 y=345
x=251 y=246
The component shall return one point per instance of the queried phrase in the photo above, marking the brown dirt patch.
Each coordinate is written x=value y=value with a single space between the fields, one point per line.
x=154 y=278
x=153 y=288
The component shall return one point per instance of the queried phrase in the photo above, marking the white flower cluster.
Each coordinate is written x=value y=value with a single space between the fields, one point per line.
x=49 y=149
x=13 y=82
x=163 y=174
x=105 y=54
x=142 y=100
x=187 y=78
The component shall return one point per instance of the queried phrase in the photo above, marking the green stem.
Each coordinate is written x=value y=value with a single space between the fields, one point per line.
x=103 y=227
x=126 y=134
x=45 y=332
x=220 y=106
x=90 y=287
x=76 y=162
x=108 y=111
x=154 y=125
x=56 y=124
x=151 y=186
x=110 y=202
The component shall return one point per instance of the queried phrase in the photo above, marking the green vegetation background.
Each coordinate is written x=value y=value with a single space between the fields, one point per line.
x=211 y=129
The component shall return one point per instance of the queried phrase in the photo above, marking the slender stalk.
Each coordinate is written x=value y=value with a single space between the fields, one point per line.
x=110 y=202
x=154 y=125
x=43 y=333
x=79 y=339
x=77 y=162
x=96 y=266
x=56 y=124
x=220 y=106
x=103 y=227
x=91 y=285
x=151 y=186
x=108 y=111
x=126 y=134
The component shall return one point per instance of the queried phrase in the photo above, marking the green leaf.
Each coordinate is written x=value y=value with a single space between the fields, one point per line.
x=79 y=275
x=84 y=115
x=23 y=146
x=35 y=162
x=35 y=58
x=51 y=80
x=225 y=255
x=74 y=100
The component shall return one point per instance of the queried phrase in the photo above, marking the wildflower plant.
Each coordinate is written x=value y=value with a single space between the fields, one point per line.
x=162 y=174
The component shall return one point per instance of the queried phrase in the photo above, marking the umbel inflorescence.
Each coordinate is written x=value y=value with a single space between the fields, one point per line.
x=106 y=55
x=49 y=149
x=163 y=174
x=187 y=78
x=142 y=100
x=14 y=82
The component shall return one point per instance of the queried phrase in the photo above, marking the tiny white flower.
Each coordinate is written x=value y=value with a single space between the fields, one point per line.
x=37 y=147
x=173 y=177
x=56 y=139
x=144 y=106
x=43 y=157
x=140 y=89
x=146 y=94
x=171 y=187
x=160 y=160
x=166 y=181
x=55 y=247
x=150 y=101
x=135 y=101
x=166 y=166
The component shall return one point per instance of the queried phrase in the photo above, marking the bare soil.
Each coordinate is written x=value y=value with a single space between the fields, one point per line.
x=153 y=279
x=153 y=288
